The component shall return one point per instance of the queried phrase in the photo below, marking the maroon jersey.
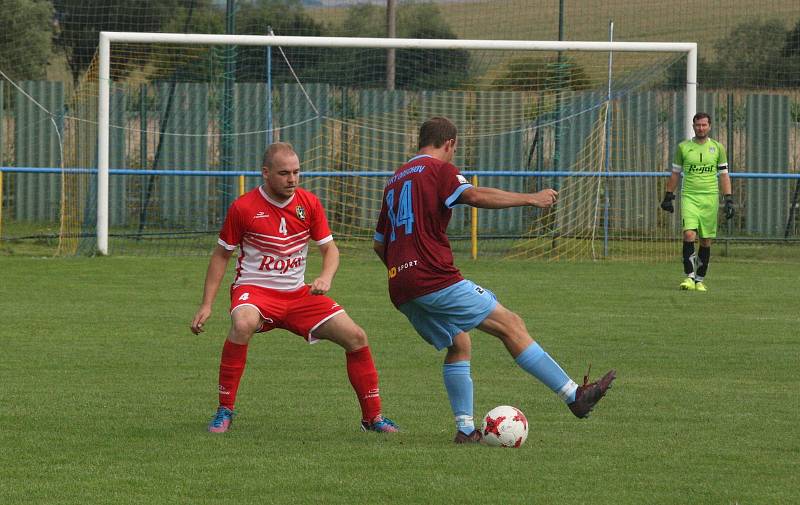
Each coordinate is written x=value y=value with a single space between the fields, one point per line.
x=412 y=225
x=273 y=237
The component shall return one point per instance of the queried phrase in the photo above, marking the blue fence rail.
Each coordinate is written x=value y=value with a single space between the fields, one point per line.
x=629 y=201
x=469 y=173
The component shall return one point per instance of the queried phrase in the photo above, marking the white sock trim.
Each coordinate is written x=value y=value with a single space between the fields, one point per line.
x=465 y=422
x=567 y=390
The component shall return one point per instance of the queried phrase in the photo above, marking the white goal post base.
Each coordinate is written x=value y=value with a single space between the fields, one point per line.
x=107 y=38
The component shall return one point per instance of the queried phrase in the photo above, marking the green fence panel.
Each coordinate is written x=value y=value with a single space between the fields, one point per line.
x=635 y=146
x=3 y=158
x=300 y=124
x=250 y=126
x=453 y=105
x=119 y=212
x=184 y=202
x=501 y=147
x=37 y=197
x=383 y=142
x=581 y=137
x=767 y=127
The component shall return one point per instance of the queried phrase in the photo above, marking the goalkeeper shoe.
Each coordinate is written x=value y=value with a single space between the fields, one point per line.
x=473 y=438
x=699 y=286
x=380 y=424
x=222 y=420
x=588 y=394
x=687 y=284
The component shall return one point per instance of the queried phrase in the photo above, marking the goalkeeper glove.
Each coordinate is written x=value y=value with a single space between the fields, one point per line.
x=666 y=203
x=729 y=210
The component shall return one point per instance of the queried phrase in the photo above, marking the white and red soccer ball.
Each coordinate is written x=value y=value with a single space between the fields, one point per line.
x=504 y=426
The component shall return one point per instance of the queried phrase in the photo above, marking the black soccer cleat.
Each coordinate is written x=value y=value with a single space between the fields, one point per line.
x=473 y=438
x=587 y=395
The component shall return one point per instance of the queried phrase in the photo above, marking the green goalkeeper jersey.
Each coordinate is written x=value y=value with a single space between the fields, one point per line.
x=700 y=164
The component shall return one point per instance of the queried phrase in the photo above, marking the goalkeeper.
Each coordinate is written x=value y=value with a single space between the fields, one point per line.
x=701 y=160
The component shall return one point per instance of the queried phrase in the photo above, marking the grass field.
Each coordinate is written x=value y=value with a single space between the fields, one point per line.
x=105 y=393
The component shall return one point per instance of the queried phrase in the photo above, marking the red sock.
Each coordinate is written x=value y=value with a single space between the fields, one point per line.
x=231 y=368
x=364 y=378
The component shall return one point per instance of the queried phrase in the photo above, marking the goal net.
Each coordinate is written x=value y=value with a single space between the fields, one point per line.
x=183 y=121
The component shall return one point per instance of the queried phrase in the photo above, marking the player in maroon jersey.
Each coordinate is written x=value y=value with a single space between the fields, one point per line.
x=424 y=284
x=272 y=226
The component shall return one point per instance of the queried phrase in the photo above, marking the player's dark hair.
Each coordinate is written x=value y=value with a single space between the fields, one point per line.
x=273 y=150
x=436 y=131
x=701 y=115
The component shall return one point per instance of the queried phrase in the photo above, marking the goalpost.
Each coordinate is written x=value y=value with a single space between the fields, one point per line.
x=588 y=153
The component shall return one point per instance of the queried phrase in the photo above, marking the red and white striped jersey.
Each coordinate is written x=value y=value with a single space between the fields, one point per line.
x=273 y=237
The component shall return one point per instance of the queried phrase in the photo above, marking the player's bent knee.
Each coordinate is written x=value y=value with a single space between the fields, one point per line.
x=512 y=324
x=242 y=330
x=357 y=338
x=343 y=331
x=514 y=333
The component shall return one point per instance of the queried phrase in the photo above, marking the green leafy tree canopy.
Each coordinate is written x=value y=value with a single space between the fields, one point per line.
x=26 y=32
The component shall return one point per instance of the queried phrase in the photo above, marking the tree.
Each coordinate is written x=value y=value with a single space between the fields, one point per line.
x=414 y=69
x=791 y=46
x=750 y=56
x=791 y=52
x=285 y=18
x=80 y=22
x=708 y=75
x=26 y=32
x=536 y=73
x=755 y=54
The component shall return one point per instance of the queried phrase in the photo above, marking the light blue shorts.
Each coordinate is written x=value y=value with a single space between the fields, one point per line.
x=443 y=314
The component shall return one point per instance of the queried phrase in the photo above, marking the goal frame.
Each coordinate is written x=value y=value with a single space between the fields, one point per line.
x=107 y=38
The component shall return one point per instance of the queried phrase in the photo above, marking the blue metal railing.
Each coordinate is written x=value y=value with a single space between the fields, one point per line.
x=486 y=173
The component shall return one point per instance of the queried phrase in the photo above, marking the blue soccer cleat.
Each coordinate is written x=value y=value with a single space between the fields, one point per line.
x=221 y=421
x=380 y=424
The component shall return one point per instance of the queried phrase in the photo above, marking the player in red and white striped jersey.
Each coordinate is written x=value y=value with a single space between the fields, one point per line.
x=272 y=226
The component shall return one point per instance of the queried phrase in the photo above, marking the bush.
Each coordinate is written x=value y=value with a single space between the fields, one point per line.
x=536 y=73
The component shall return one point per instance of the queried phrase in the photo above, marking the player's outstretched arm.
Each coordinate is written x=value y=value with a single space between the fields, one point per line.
x=493 y=198
x=217 y=266
x=330 y=264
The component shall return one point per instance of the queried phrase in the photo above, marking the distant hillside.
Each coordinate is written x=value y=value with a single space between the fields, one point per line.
x=642 y=20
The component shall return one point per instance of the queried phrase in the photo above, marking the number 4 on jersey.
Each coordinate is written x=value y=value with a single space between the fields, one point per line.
x=404 y=215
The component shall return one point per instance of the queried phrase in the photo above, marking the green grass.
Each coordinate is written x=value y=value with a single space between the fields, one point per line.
x=105 y=392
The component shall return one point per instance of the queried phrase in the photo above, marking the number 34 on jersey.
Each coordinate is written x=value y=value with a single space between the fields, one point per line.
x=401 y=215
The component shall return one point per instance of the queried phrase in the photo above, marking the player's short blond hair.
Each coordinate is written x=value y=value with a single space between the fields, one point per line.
x=274 y=150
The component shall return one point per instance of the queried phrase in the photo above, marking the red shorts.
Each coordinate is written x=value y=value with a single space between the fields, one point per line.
x=297 y=311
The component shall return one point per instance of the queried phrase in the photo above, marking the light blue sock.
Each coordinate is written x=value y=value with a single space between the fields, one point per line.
x=539 y=364
x=458 y=382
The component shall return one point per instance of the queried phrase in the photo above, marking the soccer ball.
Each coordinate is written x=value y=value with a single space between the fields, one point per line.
x=505 y=426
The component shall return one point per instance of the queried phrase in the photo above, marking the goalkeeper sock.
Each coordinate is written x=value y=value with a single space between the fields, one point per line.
x=364 y=379
x=458 y=383
x=704 y=255
x=688 y=263
x=539 y=364
x=231 y=368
